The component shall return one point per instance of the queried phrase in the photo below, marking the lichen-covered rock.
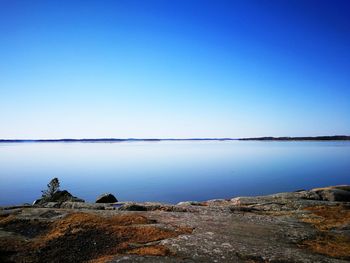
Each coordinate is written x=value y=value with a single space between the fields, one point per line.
x=106 y=198
x=284 y=227
x=309 y=195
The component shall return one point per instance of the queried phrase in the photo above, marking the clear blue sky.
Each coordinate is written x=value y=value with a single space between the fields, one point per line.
x=180 y=68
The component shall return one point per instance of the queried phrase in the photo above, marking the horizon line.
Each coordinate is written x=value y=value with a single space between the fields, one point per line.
x=264 y=138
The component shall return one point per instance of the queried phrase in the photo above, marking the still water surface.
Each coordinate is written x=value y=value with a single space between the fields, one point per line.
x=170 y=171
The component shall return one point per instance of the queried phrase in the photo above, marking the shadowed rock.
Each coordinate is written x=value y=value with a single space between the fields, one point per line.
x=106 y=198
x=59 y=196
x=335 y=193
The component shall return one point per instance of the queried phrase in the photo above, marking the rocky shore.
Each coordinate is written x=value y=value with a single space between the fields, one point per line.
x=302 y=226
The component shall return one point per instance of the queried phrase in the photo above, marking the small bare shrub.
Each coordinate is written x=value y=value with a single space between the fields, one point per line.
x=52 y=188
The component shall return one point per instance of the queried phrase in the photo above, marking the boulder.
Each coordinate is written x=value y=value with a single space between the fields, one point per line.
x=106 y=198
x=59 y=196
x=340 y=187
x=334 y=195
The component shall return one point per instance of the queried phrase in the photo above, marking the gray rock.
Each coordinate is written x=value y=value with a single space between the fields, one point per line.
x=335 y=195
x=341 y=187
x=133 y=207
x=106 y=198
x=216 y=201
x=309 y=195
x=235 y=209
x=188 y=203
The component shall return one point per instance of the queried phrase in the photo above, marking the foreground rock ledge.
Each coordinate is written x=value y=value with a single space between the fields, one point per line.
x=303 y=226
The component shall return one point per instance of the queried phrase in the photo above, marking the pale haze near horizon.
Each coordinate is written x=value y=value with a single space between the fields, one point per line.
x=180 y=69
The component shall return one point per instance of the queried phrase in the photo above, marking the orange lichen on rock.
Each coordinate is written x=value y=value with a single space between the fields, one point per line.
x=326 y=218
x=337 y=246
x=80 y=237
x=157 y=250
x=5 y=219
x=77 y=222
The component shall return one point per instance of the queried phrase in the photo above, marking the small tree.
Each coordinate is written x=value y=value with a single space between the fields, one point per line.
x=52 y=188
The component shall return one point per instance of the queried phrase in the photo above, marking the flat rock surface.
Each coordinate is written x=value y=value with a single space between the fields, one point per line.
x=285 y=227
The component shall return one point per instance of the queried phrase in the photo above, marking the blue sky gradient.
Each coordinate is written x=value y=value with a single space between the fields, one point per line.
x=182 y=68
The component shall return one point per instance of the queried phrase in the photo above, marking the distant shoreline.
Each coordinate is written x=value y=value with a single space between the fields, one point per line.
x=316 y=138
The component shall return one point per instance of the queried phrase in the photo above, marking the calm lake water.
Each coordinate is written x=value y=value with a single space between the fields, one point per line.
x=170 y=171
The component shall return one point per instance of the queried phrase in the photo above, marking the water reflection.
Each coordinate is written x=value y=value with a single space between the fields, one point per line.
x=170 y=171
